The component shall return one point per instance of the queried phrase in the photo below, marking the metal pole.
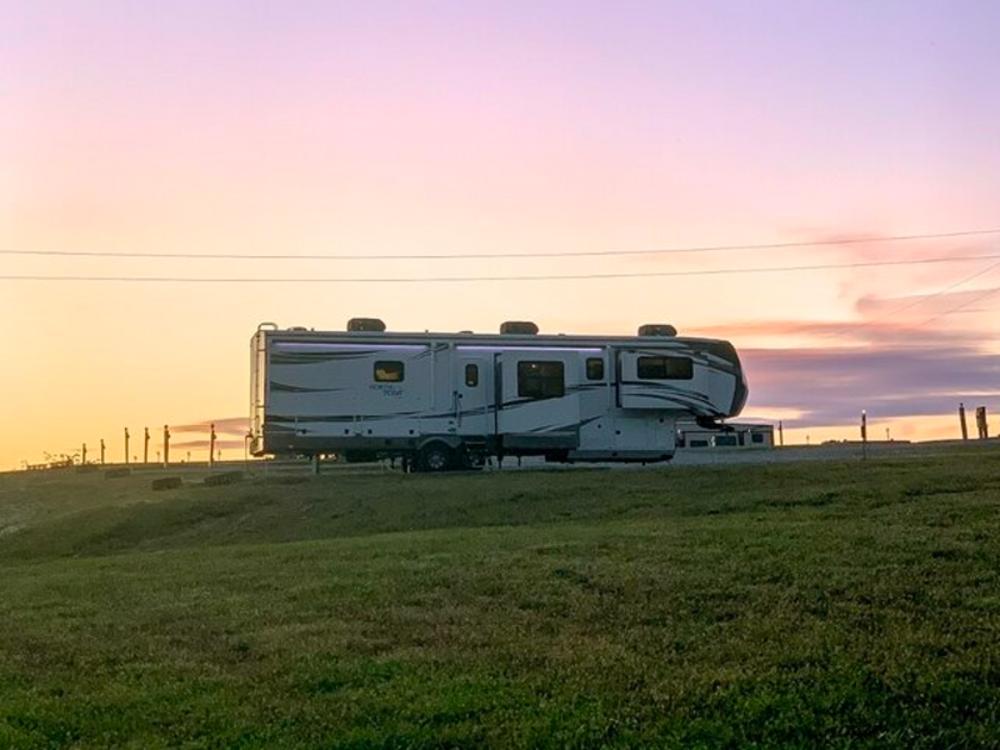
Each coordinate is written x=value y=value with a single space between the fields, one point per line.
x=961 y=419
x=781 y=434
x=83 y=459
x=166 y=445
x=211 y=445
x=102 y=451
x=145 y=447
x=126 y=446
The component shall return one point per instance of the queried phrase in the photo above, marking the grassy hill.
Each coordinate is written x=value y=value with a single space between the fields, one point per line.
x=847 y=605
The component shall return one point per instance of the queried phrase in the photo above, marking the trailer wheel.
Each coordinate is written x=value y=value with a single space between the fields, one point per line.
x=435 y=457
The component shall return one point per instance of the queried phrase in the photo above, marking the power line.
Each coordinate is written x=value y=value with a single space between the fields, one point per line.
x=928 y=297
x=493 y=256
x=470 y=279
x=962 y=306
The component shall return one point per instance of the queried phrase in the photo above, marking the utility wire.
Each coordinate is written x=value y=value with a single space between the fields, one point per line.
x=489 y=256
x=928 y=297
x=962 y=306
x=469 y=279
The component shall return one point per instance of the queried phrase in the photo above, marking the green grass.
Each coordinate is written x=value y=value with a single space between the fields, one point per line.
x=842 y=605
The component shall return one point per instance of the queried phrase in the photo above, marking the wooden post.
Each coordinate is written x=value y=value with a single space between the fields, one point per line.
x=781 y=434
x=83 y=455
x=126 y=446
x=961 y=420
x=315 y=464
x=145 y=447
x=864 y=434
x=211 y=445
x=166 y=445
x=981 y=425
x=102 y=451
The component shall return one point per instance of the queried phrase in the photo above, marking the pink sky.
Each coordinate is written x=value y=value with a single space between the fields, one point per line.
x=406 y=128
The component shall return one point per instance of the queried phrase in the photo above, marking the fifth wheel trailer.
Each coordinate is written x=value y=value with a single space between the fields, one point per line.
x=449 y=400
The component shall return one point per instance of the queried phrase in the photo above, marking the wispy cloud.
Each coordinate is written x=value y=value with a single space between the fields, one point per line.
x=922 y=306
x=202 y=445
x=831 y=386
x=227 y=425
x=887 y=333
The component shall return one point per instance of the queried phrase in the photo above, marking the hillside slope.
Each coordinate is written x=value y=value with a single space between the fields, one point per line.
x=842 y=604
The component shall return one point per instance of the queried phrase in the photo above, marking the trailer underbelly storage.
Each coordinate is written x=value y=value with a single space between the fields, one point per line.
x=451 y=400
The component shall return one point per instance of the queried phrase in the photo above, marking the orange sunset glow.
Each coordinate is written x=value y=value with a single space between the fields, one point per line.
x=380 y=129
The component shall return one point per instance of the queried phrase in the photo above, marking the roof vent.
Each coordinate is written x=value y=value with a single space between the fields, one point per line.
x=522 y=327
x=657 y=329
x=371 y=325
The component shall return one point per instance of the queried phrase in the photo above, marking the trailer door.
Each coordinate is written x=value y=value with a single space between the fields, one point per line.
x=474 y=390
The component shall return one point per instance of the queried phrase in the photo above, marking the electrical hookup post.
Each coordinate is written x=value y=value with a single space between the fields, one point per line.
x=864 y=435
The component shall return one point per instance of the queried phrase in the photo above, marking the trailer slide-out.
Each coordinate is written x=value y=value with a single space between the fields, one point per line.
x=449 y=400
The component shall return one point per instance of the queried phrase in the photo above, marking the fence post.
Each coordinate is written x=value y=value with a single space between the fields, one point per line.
x=864 y=434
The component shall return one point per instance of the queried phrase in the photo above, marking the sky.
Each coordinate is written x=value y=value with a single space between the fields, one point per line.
x=471 y=128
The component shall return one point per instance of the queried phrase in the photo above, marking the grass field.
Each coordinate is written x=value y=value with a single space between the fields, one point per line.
x=833 y=604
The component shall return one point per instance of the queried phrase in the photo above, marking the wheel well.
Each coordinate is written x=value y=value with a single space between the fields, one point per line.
x=451 y=443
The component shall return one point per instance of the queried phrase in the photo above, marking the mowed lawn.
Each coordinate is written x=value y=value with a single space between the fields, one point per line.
x=813 y=604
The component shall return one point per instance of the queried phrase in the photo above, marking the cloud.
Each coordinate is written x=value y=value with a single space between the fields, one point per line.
x=921 y=305
x=203 y=444
x=224 y=425
x=831 y=386
x=886 y=333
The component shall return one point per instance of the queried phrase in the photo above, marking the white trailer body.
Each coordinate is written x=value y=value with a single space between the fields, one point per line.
x=568 y=398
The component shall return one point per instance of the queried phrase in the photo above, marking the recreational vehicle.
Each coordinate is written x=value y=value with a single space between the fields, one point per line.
x=449 y=400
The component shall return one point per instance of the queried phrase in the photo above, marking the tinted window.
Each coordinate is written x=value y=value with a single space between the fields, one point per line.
x=595 y=368
x=758 y=437
x=725 y=440
x=665 y=368
x=540 y=379
x=472 y=375
x=388 y=372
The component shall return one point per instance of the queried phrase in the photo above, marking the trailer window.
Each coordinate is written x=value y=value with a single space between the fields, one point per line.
x=665 y=368
x=388 y=372
x=595 y=368
x=471 y=375
x=540 y=379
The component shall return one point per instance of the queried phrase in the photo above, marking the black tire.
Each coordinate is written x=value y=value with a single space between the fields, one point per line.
x=436 y=457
